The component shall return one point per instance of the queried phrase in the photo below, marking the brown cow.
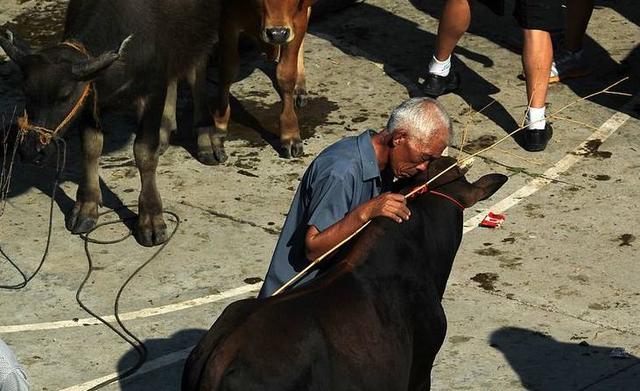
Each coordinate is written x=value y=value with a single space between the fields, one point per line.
x=281 y=26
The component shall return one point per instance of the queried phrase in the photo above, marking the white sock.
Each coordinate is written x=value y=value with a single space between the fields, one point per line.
x=440 y=68
x=535 y=118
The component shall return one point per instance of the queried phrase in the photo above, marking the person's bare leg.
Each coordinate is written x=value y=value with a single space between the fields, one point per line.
x=577 y=18
x=537 y=54
x=455 y=20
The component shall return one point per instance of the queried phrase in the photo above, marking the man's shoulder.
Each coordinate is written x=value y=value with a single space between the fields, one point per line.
x=339 y=160
x=337 y=168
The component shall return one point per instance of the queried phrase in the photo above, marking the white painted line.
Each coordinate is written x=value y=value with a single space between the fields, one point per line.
x=144 y=313
x=603 y=133
x=160 y=362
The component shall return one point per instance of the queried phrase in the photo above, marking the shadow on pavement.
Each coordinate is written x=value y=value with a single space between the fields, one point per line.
x=166 y=378
x=545 y=364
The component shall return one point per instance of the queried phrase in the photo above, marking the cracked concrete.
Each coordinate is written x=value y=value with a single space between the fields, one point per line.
x=538 y=304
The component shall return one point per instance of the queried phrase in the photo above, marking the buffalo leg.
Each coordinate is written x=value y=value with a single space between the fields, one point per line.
x=210 y=148
x=169 y=122
x=229 y=62
x=151 y=228
x=84 y=215
x=287 y=74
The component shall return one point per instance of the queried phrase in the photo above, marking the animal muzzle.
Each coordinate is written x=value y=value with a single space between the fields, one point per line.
x=278 y=35
x=33 y=151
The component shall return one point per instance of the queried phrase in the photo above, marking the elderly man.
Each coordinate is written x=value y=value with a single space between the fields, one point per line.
x=347 y=184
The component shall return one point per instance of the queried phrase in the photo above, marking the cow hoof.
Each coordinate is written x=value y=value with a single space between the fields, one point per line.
x=296 y=149
x=220 y=154
x=292 y=149
x=83 y=218
x=207 y=158
x=81 y=225
x=150 y=237
x=300 y=98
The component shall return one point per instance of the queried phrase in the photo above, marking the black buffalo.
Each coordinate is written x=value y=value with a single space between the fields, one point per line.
x=374 y=321
x=114 y=52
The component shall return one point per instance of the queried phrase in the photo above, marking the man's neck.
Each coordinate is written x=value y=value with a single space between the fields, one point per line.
x=380 y=143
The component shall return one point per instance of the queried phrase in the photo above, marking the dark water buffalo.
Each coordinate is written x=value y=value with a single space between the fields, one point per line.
x=281 y=26
x=374 y=321
x=113 y=52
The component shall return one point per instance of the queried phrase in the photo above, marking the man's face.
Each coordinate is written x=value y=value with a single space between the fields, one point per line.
x=409 y=157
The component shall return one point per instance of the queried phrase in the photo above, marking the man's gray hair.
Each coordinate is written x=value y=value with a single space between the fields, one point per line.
x=422 y=119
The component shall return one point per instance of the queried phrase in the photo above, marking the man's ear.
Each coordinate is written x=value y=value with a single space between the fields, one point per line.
x=398 y=137
x=484 y=188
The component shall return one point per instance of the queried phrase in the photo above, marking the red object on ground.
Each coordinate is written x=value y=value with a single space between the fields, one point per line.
x=492 y=220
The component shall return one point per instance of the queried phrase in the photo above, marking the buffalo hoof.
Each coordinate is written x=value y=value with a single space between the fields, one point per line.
x=207 y=158
x=80 y=221
x=292 y=149
x=149 y=236
x=300 y=97
x=220 y=154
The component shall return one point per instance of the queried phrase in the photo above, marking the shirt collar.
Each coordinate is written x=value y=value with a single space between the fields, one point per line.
x=368 y=158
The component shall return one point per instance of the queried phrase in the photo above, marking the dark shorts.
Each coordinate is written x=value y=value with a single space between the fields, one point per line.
x=544 y=15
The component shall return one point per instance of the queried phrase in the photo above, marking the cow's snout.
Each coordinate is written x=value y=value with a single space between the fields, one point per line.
x=31 y=151
x=277 y=35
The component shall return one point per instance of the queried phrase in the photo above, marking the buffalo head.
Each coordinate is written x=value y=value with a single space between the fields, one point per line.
x=446 y=176
x=278 y=18
x=56 y=85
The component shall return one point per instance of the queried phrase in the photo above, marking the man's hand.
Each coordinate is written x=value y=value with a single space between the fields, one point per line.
x=391 y=205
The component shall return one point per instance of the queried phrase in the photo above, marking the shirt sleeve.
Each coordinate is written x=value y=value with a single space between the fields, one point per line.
x=15 y=381
x=330 y=201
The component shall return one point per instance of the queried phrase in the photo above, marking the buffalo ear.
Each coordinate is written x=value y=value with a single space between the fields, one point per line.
x=15 y=47
x=484 y=188
x=89 y=69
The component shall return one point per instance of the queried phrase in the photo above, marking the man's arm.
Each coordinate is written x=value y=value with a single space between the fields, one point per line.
x=390 y=205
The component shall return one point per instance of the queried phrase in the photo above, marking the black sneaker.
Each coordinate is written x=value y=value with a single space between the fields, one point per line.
x=535 y=140
x=435 y=85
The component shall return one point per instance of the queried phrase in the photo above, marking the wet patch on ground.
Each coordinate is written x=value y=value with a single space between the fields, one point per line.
x=510 y=263
x=533 y=211
x=592 y=149
x=479 y=143
x=486 y=281
x=626 y=239
x=488 y=252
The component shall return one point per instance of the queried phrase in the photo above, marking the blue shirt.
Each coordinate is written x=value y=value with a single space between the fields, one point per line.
x=344 y=176
x=12 y=376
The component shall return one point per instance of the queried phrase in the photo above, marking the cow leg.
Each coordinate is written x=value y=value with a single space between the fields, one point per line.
x=169 y=122
x=229 y=62
x=300 y=91
x=287 y=73
x=151 y=228
x=84 y=215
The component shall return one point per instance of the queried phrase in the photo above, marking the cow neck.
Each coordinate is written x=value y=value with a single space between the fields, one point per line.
x=424 y=189
x=448 y=198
